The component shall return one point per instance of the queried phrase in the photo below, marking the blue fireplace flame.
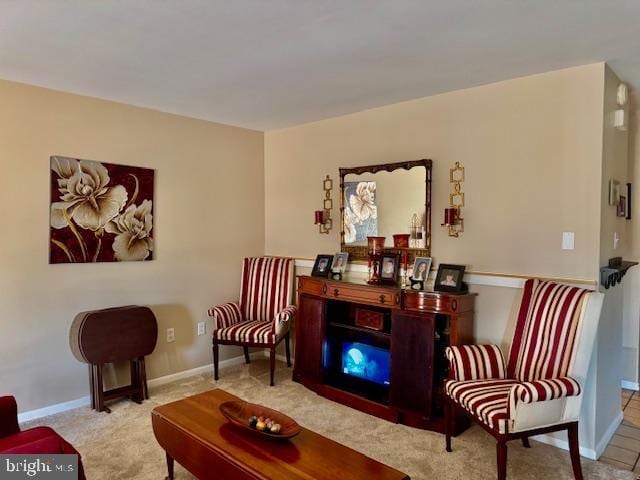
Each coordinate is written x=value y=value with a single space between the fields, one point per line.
x=366 y=362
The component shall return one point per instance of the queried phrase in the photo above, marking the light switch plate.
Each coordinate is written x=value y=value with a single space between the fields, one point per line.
x=616 y=240
x=200 y=328
x=568 y=240
x=171 y=335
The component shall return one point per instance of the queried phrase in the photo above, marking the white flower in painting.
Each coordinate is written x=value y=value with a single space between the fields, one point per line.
x=133 y=230
x=363 y=202
x=349 y=227
x=65 y=168
x=85 y=196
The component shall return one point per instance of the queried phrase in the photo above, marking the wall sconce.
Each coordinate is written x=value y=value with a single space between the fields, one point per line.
x=452 y=218
x=323 y=217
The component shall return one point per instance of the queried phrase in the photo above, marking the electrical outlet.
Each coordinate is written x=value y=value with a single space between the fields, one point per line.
x=201 y=328
x=171 y=335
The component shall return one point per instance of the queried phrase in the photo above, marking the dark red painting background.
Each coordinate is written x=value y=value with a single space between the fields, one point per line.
x=119 y=175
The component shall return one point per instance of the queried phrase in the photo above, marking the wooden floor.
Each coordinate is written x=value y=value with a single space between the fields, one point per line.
x=624 y=449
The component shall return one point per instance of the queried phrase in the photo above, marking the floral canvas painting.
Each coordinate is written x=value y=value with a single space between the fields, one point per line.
x=100 y=212
x=360 y=211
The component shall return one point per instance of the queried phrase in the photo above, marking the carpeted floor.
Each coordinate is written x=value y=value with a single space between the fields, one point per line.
x=122 y=446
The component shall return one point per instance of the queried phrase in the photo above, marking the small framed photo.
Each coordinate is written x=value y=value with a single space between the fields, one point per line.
x=389 y=268
x=339 y=264
x=421 y=268
x=622 y=206
x=449 y=278
x=322 y=266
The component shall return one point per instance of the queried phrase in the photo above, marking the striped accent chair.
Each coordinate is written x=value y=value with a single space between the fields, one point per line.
x=539 y=389
x=264 y=313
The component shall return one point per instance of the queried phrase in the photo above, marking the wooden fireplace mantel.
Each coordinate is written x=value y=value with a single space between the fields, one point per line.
x=418 y=327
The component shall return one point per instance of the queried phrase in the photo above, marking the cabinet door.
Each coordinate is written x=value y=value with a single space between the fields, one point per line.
x=310 y=332
x=412 y=345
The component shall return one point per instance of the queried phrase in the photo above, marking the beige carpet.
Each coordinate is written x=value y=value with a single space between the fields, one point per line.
x=122 y=446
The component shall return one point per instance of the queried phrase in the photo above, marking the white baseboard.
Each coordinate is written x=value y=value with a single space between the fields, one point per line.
x=608 y=435
x=590 y=453
x=53 y=409
x=635 y=386
x=153 y=383
x=229 y=362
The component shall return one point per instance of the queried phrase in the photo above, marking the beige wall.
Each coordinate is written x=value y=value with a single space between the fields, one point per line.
x=209 y=195
x=532 y=152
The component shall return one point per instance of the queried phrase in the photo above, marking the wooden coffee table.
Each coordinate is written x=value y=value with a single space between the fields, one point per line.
x=194 y=433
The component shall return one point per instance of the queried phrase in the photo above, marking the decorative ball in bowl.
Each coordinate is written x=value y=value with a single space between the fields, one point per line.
x=263 y=421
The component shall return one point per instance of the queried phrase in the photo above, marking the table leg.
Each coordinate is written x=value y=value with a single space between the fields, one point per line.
x=169 y=467
x=143 y=378
x=100 y=390
x=134 y=367
x=92 y=386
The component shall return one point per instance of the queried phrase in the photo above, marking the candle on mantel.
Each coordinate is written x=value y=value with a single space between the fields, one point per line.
x=404 y=261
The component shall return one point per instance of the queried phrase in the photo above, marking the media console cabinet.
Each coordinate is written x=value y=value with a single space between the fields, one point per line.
x=380 y=349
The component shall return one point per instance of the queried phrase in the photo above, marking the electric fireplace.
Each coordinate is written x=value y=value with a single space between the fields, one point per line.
x=356 y=358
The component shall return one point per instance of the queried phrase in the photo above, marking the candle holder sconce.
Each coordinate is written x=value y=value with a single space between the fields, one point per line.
x=323 y=217
x=452 y=218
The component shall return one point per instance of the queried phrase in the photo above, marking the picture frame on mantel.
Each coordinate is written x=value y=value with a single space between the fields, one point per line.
x=322 y=266
x=389 y=268
x=450 y=278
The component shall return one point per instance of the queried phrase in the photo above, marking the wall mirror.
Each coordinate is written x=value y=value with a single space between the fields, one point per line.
x=385 y=200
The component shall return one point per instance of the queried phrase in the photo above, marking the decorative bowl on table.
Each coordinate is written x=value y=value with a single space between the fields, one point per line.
x=263 y=421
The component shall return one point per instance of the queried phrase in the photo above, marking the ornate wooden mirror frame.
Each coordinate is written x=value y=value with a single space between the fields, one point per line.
x=359 y=252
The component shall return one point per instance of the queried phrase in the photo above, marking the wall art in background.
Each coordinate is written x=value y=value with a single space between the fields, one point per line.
x=100 y=212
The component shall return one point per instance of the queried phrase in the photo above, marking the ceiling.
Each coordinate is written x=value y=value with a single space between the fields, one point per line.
x=266 y=64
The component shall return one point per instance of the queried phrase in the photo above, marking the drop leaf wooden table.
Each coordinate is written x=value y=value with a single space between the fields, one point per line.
x=194 y=433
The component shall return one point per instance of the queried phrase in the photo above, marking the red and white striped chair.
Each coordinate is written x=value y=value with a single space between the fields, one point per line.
x=539 y=390
x=264 y=314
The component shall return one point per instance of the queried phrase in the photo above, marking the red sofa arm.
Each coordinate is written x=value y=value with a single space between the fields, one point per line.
x=8 y=416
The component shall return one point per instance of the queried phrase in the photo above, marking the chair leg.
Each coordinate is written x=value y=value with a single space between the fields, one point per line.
x=574 y=450
x=448 y=422
x=525 y=442
x=501 y=450
x=246 y=355
x=272 y=362
x=288 y=348
x=215 y=361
